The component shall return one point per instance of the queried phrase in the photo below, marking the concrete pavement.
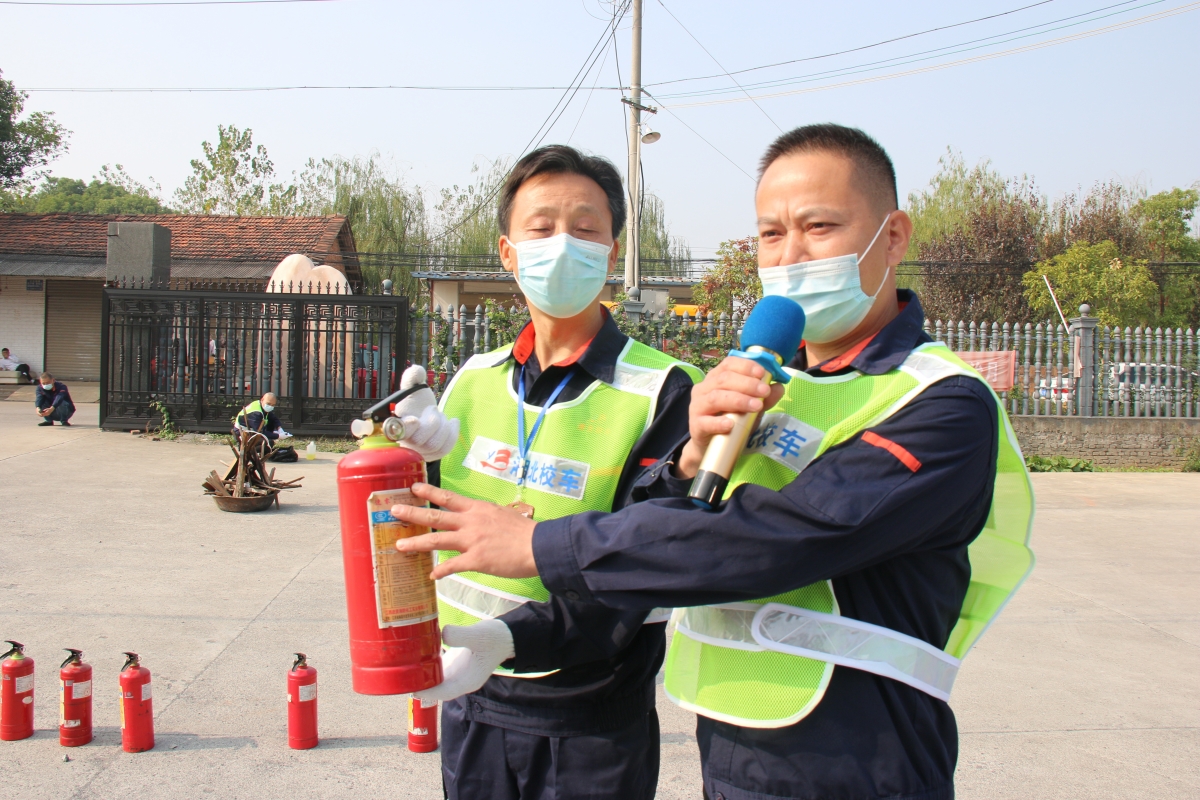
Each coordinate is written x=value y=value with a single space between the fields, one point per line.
x=1086 y=687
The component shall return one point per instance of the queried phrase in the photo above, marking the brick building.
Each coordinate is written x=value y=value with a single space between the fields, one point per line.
x=53 y=267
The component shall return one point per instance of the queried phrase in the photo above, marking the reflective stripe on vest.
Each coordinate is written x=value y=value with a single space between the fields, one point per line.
x=576 y=461
x=766 y=663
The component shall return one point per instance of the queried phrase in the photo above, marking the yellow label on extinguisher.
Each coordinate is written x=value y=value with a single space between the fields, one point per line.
x=404 y=595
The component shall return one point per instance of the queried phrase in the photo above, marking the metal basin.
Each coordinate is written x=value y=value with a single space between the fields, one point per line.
x=241 y=505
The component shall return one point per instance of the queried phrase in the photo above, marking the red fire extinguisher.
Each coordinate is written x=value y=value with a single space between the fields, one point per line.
x=137 y=707
x=302 y=704
x=422 y=726
x=16 y=694
x=395 y=647
x=75 y=700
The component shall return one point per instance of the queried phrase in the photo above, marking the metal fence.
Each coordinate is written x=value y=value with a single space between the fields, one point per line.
x=203 y=355
x=1081 y=369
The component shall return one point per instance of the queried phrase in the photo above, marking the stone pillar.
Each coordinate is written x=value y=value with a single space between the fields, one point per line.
x=1083 y=342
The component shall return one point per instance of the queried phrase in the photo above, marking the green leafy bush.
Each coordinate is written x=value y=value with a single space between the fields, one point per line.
x=1058 y=464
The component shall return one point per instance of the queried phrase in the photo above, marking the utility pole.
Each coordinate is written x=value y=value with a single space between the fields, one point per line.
x=633 y=246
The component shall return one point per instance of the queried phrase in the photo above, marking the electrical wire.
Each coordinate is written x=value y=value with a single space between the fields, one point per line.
x=1183 y=9
x=862 y=47
x=161 y=3
x=177 y=89
x=912 y=58
x=591 y=92
x=547 y=125
x=693 y=130
x=721 y=66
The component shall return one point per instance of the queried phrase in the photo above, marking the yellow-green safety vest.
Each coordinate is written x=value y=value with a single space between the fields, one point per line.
x=245 y=414
x=576 y=460
x=767 y=663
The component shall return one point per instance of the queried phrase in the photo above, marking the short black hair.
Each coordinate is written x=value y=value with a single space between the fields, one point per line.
x=559 y=158
x=870 y=159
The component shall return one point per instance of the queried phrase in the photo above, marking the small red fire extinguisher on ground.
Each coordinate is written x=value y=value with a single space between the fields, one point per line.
x=75 y=700
x=422 y=726
x=302 y=704
x=137 y=707
x=16 y=694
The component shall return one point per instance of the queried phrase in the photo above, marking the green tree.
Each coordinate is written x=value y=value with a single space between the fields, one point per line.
x=232 y=178
x=1119 y=292
x=661 y=252
x=1165 y=220
x=1105 y=213
x=26 y=144
x=465 y=220
x=733 y=283
x=112 y=192
x=977 y=232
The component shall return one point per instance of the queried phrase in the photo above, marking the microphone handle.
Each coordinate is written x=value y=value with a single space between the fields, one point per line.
x=708 y=487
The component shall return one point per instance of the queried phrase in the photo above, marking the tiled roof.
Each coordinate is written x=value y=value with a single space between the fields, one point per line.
x=192 y=237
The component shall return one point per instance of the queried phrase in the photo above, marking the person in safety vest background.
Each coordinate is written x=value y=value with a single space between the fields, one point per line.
x=545 y=696
x=260 y=417
x=876 y=521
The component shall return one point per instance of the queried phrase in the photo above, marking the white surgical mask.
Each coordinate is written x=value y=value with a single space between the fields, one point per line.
x=47 y=386
x=268 y=408
x=561 y=275
x=828 y=289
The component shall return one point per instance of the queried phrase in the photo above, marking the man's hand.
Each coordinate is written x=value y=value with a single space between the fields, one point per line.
x=474 y=653
x=491 y=538
x=45 y=412
x=733 y=387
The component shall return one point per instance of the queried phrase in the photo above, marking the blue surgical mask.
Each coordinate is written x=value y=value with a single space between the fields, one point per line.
x=561 y=275
x=268 y=408
x=828 y=289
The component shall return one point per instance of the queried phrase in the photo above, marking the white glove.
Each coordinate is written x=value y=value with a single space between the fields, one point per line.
x=426 y=429
x=284 y=434
x=433 y=434
x=475 y=652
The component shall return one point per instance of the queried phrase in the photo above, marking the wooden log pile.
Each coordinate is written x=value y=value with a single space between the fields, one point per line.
x=248 y=475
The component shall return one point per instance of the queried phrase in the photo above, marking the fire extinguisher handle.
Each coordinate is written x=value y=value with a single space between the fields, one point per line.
x=75 y=657
x=131 y=660
x=301 y=661
x=17 y=648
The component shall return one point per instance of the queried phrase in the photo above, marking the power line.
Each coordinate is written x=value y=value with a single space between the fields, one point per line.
x=161 y=3
x=177 y=89
x=975 y=59
x=718 y=63
x=861 y=47
x=706 y=141
x=926 y=55
x=547 y=125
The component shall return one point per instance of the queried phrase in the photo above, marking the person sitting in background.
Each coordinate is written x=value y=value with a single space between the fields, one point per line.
x=259 y=417
x=13 y=364
x=53 y=402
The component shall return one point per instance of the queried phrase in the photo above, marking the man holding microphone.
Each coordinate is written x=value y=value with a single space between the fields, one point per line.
x=875 y=521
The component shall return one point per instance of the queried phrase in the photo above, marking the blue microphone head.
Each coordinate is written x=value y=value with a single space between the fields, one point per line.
x=775 y=323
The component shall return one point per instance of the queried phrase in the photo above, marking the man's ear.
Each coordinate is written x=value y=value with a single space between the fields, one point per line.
x=899 y=233
x=613 y=255
x=508 y=254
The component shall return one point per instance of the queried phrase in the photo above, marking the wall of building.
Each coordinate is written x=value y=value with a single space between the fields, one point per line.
x=1110 y=441
x=22 y=320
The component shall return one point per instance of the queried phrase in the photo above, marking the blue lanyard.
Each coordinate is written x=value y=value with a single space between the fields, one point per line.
x=524 y=444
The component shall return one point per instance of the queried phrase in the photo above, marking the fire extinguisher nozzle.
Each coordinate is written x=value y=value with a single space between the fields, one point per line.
x=131 y=660
x=75 y=657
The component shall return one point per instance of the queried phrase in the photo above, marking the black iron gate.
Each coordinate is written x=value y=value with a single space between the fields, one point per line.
x=206 y=354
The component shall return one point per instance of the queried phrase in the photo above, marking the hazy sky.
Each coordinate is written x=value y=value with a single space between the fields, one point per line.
x=1119 y=105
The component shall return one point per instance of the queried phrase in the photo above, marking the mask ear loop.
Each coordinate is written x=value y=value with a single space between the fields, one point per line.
x=872 y=244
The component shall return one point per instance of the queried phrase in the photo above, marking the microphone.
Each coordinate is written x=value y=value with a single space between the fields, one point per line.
x=771 y=335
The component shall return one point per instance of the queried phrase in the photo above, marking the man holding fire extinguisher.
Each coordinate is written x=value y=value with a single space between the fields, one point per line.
x=544 y=696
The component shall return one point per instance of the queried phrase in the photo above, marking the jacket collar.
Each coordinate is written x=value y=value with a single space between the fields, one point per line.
x=598 y=357
x=882 y=352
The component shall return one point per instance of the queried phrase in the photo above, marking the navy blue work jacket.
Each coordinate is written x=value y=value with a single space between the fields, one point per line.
x=44 y=399
x=887 y=520
x=607 y=659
